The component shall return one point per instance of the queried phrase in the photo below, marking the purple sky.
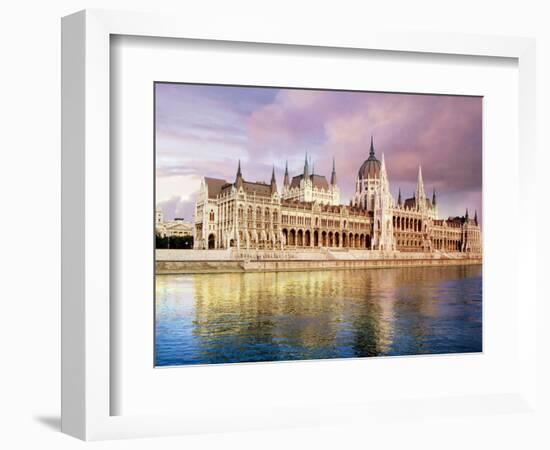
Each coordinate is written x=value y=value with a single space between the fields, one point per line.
x=203 y=130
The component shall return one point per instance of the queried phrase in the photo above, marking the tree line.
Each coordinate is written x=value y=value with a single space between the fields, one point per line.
x=174 y=242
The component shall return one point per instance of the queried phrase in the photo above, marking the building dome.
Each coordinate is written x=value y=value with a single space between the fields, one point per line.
x=371 y=167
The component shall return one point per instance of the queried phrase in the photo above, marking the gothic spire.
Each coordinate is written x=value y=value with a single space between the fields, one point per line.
x=420 y=194
x=333 y=176
x=286 y=181
x=273 y=181
x=399 y=201
x=466 y=214
x=306 y=168
x=433 y=198
x=239 y=177
x=475 y=217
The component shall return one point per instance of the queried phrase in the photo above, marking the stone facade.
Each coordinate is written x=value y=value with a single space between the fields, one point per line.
x=171 y=228
x=307 y=187
x=308 y=215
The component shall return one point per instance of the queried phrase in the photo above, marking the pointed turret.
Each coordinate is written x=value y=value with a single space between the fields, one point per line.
x=433 y=198
x=239 y=177
x=383 y=167
x=475 y=217
x=286 y=181
x=273 y=181
x=333 y=176
x=467 y=215
x=399 y=201
x=420 y=194
x=306 y=168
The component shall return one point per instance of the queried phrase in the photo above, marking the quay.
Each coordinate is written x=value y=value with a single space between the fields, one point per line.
x=231 y=260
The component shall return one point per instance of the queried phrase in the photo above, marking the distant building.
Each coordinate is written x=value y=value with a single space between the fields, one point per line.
x=172 y=228
x=308 y=214
x=159 y=216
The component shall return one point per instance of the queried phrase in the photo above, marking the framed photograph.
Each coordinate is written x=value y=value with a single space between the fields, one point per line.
x=325 y=257
x=267 y=214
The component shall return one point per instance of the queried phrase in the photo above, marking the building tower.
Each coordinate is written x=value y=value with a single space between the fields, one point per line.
x=159 y=216
x=434 y=205
x=306 y=185
x=286 y=181
x=309 y=186
x=367 y=181
x=420 y=195
x=273 y=182
x=372 y=192
x=333 y=188
x=383 y=237
x=239 y=177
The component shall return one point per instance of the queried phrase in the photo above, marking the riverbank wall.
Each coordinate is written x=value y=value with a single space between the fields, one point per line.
x=224 y=261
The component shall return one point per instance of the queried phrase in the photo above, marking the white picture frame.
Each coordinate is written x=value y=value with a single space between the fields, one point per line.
x=86 y=249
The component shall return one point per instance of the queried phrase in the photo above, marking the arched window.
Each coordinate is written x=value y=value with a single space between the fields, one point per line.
x=258 y=218
x=250 y=217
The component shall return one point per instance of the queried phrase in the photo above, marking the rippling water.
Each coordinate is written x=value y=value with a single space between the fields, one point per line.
x=226 y=318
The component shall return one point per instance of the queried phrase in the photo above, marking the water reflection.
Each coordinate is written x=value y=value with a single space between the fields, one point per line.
x=221 y=318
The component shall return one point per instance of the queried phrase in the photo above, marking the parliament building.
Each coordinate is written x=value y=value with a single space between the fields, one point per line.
x=307 y=214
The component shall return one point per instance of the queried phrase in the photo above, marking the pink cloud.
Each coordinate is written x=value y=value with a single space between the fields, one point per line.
x=443 y=133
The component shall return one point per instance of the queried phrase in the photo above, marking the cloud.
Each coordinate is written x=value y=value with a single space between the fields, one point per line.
x=176 y=207
x=204 y=130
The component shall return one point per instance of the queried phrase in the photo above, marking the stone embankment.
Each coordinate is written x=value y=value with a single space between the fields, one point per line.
x=230 y=260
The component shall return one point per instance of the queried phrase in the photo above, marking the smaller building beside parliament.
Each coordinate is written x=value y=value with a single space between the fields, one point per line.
x=307 y=214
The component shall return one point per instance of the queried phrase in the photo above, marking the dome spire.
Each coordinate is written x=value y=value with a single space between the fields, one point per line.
x=371 y=167
x=371 y=153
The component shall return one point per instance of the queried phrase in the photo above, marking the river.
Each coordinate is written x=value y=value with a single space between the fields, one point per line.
x=245 y=317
